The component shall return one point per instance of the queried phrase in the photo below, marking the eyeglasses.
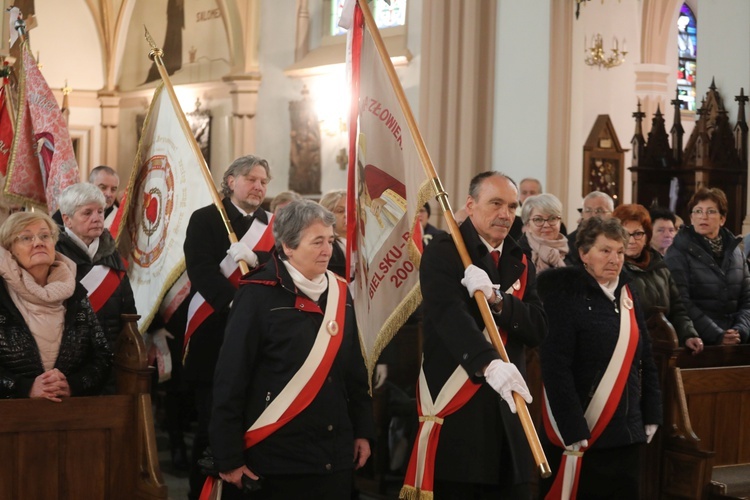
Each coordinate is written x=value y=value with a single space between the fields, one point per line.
x=28 y=239
x=638 y=235
x=699 y=212
x=598 y=211
x=552 y=220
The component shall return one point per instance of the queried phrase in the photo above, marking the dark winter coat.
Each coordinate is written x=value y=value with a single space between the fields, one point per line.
x=657 y=288
x=716 y=294
x=206 y=245
x=84 y=357
x=482 y=442
x=584 y=328
x=270 y=332
x=121 y=301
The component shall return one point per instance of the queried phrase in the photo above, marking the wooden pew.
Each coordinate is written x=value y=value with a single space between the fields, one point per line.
x=86 y=448
x=704 y=448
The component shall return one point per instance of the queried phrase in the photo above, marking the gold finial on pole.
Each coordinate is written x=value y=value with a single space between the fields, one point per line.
x=66 y=89
x=155 y=51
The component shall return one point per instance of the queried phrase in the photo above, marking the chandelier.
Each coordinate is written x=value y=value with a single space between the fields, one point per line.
x=596 y=56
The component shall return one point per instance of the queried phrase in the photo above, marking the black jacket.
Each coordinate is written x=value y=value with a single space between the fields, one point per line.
x=482 y=442
x=121 y=301
x=656 y=288
x=584 y=328
x=206 y=245
x=84 y=357
x=717 y=295
x=270 y=332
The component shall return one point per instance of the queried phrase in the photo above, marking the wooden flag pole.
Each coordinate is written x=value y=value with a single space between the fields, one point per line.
x=155 y=55
x=442 y=197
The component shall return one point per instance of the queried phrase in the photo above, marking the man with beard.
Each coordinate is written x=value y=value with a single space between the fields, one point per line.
x=481 y=451
x=208 y=254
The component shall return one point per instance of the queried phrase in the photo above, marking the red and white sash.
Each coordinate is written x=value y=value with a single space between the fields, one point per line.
x=113 y=215
x=100 y=283
x=260 y=238
x=457 y=391
x=304 y=386
x=603 y=404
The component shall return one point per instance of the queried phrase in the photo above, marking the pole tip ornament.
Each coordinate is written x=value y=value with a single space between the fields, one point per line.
x=155 y=51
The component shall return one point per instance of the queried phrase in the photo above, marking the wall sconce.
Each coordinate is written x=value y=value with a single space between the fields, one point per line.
x=595 y=55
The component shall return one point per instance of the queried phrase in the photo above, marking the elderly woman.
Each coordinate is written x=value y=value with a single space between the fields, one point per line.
x=290 y=390
x=651 y=278
x=100 y=269
x=541 y=216
x=601 y=385
x=51 y=344
x=711 y=273
x=335 y=201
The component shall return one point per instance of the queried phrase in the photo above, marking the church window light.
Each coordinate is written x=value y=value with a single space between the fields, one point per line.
x=687 y=53
x=386 y=14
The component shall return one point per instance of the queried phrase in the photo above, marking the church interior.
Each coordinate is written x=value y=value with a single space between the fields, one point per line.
x=642 y=99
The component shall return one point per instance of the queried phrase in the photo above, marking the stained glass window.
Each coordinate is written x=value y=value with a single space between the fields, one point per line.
x=687 y=53
x=386 y=16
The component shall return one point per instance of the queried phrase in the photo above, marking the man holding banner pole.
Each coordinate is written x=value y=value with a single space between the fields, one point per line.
x=211 y=262
x=469 y=444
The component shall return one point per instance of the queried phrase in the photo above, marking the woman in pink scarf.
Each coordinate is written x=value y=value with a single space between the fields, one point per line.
x=51 y=344
x=542 y=240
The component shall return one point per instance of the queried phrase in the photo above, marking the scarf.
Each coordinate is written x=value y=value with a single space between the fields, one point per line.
x=42 y=307
x=312 y=288
x=716 y=245
x=89 y=249
x=643 y=260
x=547 y=253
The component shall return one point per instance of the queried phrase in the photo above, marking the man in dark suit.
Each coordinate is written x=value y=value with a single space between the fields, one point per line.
x=482 y=451
x=206 y=246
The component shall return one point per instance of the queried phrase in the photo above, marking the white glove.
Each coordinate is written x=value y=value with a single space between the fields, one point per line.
x=578 y=445
x=650 y=431
x=506 y=379
x=239 y=251
x=381 y=373
x=476 y=279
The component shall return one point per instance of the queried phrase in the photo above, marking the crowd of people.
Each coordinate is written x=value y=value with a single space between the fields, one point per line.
x=276 y=371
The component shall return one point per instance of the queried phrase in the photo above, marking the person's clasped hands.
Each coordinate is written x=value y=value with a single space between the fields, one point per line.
x=52 y=385
x=239 y=251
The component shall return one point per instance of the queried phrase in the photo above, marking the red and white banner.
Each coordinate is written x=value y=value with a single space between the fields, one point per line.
x=386 y=186
x=165 y=188
x=42 y=163
x=100 y=283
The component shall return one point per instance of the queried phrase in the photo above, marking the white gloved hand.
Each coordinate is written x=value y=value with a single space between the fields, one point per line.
x=381 y=373
x=578 y=445
x=239 y=251
x=650 y=431
x=506 y=379
x=476 y=279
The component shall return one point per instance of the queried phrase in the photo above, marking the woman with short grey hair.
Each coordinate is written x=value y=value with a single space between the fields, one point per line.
x=542 y=216
x=292 y=329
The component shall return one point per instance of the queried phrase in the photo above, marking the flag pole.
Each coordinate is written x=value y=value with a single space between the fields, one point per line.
x=442 y=197
x=155 y=54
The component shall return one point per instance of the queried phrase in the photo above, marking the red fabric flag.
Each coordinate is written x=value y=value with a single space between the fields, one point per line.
x=42 y=163
x=6 y=133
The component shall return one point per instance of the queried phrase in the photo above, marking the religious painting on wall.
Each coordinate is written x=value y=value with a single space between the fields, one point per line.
x=304 y=154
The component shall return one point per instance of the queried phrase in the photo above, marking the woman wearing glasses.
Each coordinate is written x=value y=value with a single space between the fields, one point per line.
x=651 y=278
x=541 y=216
x=711 y=273
x=51 y=344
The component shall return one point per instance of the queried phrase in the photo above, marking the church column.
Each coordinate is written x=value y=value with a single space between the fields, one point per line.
x=456 y=94
x=652 y=89
x=110 y=106
x=244 y=92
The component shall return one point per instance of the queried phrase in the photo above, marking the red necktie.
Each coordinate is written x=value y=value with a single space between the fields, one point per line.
x=495 y=257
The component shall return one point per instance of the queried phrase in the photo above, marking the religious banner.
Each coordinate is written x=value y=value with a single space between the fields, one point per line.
x=165 y=188
x=42 y=162
x=387 y=185
x=6 y=131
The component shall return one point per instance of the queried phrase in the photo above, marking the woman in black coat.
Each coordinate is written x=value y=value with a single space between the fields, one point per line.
x=51 y=344
x=651 y=278
x=281 y=318
x=711 y=271
x=601 y=385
